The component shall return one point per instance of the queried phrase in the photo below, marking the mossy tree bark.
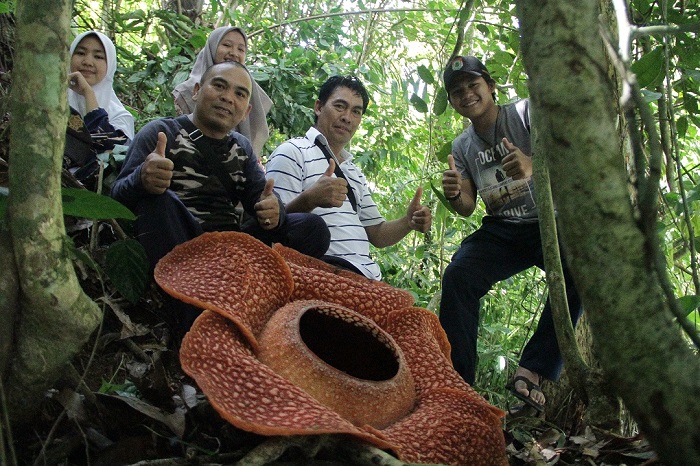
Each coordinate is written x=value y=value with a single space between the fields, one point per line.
x=189 y=8
x=54 y=316
x=9 y=295
x=643 y=354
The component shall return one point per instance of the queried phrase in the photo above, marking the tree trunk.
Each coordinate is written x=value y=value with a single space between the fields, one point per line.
x=601 y=408
x=9 y=293
x=190 y=8
x=55 y=316
x=7 y=40
x=642 y=351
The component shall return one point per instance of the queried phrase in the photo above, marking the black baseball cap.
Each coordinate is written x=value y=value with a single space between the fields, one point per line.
x=469 y=65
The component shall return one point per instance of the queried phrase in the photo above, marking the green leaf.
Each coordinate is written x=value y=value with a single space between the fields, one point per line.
x=694 y=74
x=650 y=96
x=649 y=69
x=682 y=126
x=444 y=151
x=87 y=204
x=425 y=74
x=690 y=104
x=441 y=196
x=419 y=104
x=84 y=257
x=440 y=102
x=296 y=53
x=673 y=200
x=693 y=194
x=127 y=267
x=689 y=303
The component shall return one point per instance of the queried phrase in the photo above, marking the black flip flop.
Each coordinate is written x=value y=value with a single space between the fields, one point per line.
x=530 y=387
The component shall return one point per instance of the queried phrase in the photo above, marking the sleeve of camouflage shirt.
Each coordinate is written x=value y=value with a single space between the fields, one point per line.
x=127 y=188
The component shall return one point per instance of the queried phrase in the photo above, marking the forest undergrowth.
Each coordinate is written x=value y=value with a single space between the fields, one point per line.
x=125 y=401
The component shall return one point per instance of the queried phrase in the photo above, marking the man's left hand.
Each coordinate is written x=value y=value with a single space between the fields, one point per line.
x=420 y=218
x=267 y=209
x=516 y=164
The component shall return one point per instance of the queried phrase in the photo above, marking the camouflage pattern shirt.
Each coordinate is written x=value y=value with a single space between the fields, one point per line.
x=198 y=173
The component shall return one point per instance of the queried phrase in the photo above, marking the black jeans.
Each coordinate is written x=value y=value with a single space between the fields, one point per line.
x=163 y=222
x=495 y=252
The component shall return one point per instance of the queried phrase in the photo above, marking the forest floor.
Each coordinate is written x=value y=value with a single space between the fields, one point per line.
x=126 y=401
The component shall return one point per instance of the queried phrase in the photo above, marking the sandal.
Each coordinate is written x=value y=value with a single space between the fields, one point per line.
x=530 y=387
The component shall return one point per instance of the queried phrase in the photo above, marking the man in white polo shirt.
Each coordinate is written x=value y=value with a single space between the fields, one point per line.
x=314 y=173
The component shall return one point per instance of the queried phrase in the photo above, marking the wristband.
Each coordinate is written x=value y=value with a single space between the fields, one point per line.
x=455 y=197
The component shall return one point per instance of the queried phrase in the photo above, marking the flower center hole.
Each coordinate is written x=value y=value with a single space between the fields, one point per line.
x=348 y=345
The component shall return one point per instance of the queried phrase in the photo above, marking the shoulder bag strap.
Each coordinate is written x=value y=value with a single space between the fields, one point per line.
x=338 y=172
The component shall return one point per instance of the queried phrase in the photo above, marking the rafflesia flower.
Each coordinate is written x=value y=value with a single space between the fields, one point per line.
x=289 y=345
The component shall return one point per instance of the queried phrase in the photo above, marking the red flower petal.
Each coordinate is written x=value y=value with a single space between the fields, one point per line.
x=426 y=349
x=249 y=394
x=292 y=256
x=228 y=272
x=449 y=427
x=370 y=298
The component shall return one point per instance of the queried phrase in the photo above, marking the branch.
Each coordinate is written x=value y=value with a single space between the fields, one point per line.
x=670 y=124
x=563 y=326
x=665 y=30
x=649 y=194
x=7 y=447
x=274 y=447
x=363 y=12
x=350 y=450
x=461 y=25
x=341 y=13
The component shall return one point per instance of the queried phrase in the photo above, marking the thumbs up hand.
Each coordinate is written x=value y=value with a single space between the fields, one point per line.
x=331 y=168
x=157 y=169
x=516 y=164
x=328 y=191
x=267 y=209
x=451 y=179
x=420 y=218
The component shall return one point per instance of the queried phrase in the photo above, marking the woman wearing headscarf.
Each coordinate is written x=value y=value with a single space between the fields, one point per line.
x=91 y=93
x=228 y=43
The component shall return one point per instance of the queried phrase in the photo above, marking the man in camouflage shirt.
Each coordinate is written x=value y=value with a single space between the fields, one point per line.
x=183 y=176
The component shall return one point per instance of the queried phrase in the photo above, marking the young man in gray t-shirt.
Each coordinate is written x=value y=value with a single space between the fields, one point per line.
x=493 y=158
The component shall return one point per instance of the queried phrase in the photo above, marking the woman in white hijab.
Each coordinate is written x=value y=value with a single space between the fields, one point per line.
x=228 y=43
x=90 y=92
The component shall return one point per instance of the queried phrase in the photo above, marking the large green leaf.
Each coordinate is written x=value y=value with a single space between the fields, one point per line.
x=682 y=126
x=426 y=75
x=127 y=267
x=443 y=152
x=87 y=204
x=440 y=101
x=441 y=196
x=84 y=204
x=689 y=303
x=693 y=194
x=649 y=69
x=419 y=104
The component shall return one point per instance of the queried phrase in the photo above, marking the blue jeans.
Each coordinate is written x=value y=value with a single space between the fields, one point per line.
x=495 y=252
